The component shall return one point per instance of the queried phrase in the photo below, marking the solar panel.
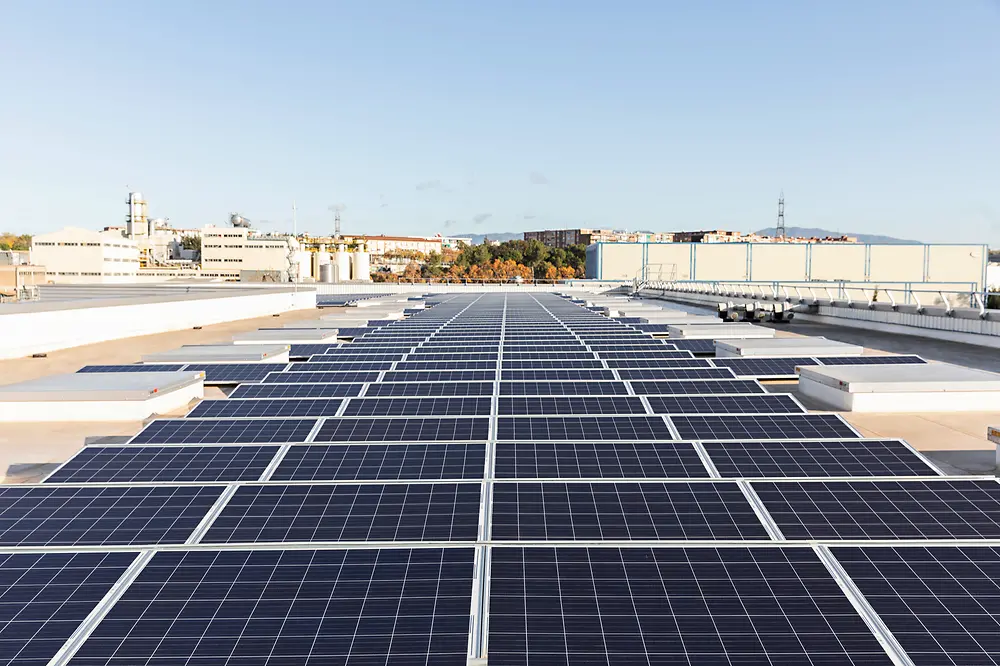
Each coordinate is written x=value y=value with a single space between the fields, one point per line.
x=570 y=405
x=300 y=351
x=556 y=375
x=101 y=516
x=44 y=597
x=775 y=403
x=827 y=458
x=403 y=429
x=629 y=363
x=596 y=428
x=234 y=373
x=644 y=344
x=870 y=360
x=224 y=431
x=171 y=464
x=939 y=602
x=471 y=356
x=583 y=354
x=382 y=462
x=672 y=606
x=136 y=367
x=349 y=512
x=277 y=391
x=646 y=353
x=675 y=373
x=440 y=376
x=758 y=426
x=209 y=409
x=465 y=406
x=931 y=509
x=358 y=606
x=320 y=377
x=417 y=389
x=597 y=460
x=548 y=388
x=349 y=366
x=357 y=357
x=698 y=347
x=696 y=387
x=762 y=367
x=563 y=348
x=447 y=365
x=556 y=364
x=352 y=332
x=554 y=511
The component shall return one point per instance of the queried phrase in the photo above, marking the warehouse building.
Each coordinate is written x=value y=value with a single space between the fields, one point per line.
x=82 y=256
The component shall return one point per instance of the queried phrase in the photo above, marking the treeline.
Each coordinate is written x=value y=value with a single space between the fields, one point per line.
x=9 y=241
x=528 y=260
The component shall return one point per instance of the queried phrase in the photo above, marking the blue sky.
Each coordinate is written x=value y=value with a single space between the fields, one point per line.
x=880 y=117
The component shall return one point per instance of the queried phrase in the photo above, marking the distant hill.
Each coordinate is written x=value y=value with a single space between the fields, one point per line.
x=810 y=232
x=497 y=236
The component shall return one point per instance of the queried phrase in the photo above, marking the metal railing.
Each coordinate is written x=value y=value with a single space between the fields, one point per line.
x=916 y=296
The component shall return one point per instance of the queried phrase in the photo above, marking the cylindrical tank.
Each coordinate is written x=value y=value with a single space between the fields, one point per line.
x=362 y=267
x=326 y=272
x=342 y=260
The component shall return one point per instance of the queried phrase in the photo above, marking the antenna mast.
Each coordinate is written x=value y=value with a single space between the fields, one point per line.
x=335 y=209
x=780 y=228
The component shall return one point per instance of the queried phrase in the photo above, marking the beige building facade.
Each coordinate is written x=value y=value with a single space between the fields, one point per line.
x=790 y=262
x=82 y=256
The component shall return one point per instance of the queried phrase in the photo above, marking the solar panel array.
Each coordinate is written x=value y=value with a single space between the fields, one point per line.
x=505 y=477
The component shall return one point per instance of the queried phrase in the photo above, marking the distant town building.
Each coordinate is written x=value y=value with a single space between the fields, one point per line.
x=566 y=237
x=81 y=256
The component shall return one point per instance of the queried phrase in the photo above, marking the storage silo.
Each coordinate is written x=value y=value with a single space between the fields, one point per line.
x=342 y=263
x=325 y=272
x=362 y=265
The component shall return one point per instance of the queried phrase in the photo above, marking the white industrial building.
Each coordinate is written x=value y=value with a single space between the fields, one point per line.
x=81 y=256
x=230 y=250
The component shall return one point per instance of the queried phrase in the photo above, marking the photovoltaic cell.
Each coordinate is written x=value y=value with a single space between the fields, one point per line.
x=382 y=462
x=320 y=377
x=597 y=460
x=570 y=405
x=826 y=458
x=759 y=426
x=447 y=365
x=940 y=602
x=556 y=375
x=763 y=367
x=230 y=408
x=291 y=607
x=871 y=360
x=734 y=404
x=656 y=606
x=552 y=364
x=459 y=406
x=44 y=597
x=547 y=388
x=440 y=376
x=595 y=428
x=342 y=366
x=428 y=389
x=932 y=509
x=629 y=374
x=252 y=391
x=698 y=347
x=555 y=511
x=233 y=373
x=631 y=363
x=299 y=351
x=224 y=431
x=171 y=464
x=101 y=516
x=135 y=367
x=696 y=387
x=403 y=429
x=349 y=512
